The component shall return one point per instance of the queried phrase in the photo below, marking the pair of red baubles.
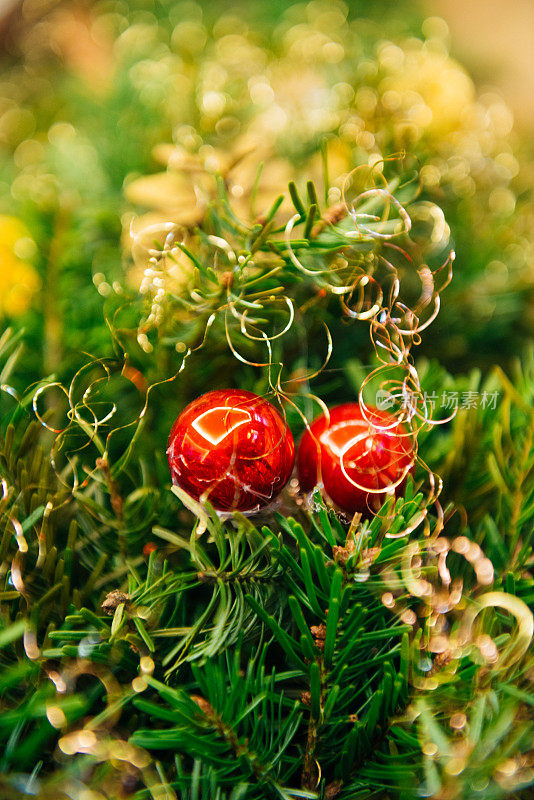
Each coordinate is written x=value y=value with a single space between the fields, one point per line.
x=233 y=448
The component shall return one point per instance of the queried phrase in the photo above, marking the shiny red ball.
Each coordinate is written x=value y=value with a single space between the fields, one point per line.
x=345 y=455
x=232 y=448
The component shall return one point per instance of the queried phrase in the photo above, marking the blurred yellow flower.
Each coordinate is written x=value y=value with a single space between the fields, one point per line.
x=431 y=90
x=18 y=279
x=182 y=194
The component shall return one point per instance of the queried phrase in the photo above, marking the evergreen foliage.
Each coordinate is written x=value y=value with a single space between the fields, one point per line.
x=293 y=659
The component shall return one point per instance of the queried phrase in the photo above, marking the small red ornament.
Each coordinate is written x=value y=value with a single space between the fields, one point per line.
x=232 y=448
x=150 y=547
x=346 y=455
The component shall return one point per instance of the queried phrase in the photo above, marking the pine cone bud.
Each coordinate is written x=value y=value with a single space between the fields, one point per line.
x=113 y=601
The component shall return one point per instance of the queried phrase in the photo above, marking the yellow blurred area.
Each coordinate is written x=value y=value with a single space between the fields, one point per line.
x=434 y=89
x=495 y=40
x=19 y=281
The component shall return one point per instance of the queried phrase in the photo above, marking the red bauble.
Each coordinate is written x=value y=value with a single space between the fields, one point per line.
x=232 y=448
x=346 y=450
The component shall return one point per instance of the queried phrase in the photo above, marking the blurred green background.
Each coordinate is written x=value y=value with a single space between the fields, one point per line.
x=91 y=93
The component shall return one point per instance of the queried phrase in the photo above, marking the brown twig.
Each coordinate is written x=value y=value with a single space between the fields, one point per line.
x=114 y=495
